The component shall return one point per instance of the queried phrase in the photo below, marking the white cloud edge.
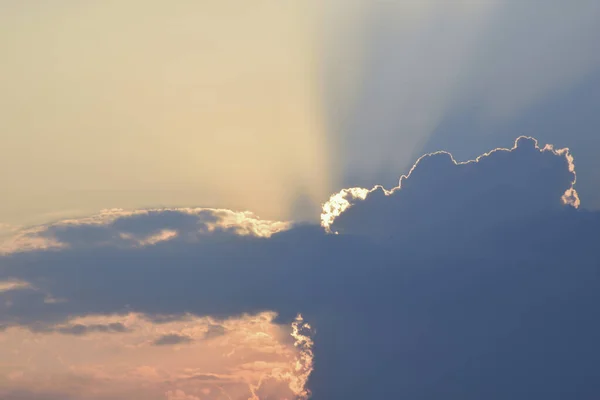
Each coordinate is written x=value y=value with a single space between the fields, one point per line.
x=244 y=223
x=339 y=202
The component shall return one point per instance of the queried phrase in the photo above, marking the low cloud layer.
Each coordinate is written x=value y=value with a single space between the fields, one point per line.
x=470 y=280
x=171 y=339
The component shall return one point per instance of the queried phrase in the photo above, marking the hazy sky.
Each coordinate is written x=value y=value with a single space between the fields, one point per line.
x=145 y=103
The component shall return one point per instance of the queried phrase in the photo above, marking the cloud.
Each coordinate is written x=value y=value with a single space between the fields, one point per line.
x=171 y=339
x=469 y=280
x=497 y=187
x=139 y=228
x=214 y=331
x=9 y=285
x=80 y=329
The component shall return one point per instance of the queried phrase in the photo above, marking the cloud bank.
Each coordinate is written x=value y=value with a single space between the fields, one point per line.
x=469 y=280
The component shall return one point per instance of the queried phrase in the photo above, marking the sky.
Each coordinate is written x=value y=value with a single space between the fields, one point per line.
x=283 y=200
x=143 y=103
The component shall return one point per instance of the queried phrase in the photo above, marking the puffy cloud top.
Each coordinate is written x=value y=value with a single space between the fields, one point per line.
x=441 y=193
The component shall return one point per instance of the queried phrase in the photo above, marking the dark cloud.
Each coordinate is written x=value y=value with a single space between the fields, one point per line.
x=214 y=331
x=80 y=329
x=172 y=339
x=441 y=194
x=120 y=228
x=76 y=329
x=470 y=281
x=207 y=378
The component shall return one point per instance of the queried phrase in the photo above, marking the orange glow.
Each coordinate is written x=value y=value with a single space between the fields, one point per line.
x=201 y=358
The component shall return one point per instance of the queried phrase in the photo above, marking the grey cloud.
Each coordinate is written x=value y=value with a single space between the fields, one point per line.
x=214 y=331
x=172 y=339
x=208 y=378
x=80 y=329
x=139 y=228
x=77 y=329
x=498 y=188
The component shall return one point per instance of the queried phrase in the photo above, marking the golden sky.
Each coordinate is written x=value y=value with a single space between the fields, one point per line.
x=143 y=103
x=268 y=106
